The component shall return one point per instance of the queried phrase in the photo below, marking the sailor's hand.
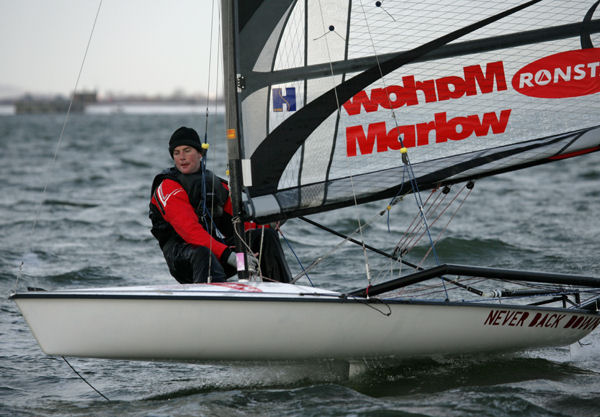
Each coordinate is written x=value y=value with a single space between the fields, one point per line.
x=250 y=258
x=232 y=259
x=252 y=262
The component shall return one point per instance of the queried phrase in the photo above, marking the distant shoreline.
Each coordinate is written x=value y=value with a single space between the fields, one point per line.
x=133 y=108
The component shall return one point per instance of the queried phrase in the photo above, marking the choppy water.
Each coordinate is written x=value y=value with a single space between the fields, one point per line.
x=89 y=228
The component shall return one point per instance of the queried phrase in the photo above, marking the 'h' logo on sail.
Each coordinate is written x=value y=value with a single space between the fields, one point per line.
x=289 y=99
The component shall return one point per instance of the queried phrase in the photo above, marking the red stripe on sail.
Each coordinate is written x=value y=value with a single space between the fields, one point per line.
x=577 y=153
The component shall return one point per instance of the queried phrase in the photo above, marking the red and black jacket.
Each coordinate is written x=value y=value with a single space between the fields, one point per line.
x=179 y=211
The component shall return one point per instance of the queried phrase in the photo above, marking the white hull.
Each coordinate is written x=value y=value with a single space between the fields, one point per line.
x=256 y=321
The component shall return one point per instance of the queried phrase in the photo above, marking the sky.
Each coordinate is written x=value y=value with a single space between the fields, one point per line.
x=151 y=47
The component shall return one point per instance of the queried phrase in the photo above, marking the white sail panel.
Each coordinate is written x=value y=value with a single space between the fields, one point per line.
x=447 y=80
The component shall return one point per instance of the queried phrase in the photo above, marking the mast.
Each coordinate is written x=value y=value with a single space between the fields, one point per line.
x=228 y=14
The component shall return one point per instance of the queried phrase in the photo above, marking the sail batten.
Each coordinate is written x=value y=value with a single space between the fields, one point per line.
x=432 y=174
x=469 y=89
x=260 y=79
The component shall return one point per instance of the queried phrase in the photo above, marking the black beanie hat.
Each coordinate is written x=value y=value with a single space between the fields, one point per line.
x=185 y=136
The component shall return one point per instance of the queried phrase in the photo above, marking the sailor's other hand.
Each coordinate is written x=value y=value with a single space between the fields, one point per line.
x=252 y=262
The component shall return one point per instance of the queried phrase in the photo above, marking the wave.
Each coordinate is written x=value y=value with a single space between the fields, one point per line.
x=484 y=251
x=433 y=375
x=70 y=203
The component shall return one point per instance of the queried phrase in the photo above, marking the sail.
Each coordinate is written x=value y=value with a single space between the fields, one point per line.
x=330 y=92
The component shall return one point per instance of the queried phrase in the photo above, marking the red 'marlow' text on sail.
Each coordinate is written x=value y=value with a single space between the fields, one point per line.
x=445 y=88
x=378 y=138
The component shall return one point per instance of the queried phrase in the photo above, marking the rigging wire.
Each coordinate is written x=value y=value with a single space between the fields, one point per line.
x=260 y=250
x=339 y=244
x=411 y=233
x=210 y=55
x=337 y=101
x=404 y=151
x=207 y=219
x=413 y=237
x=403 y=247
x=419 y=51
x=397 y=196
x=304 y=271
x=208 y=225
x=53 y=163
x=331 y=28
x=469 y=187
x=84 y=380
x=58 y=144
x=56 y=153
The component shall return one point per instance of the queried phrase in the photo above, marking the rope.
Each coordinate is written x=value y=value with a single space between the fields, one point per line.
x=395 y=199
x=362 y=239
x=404 y=245
x=83 y=379
x=327 y=30
x=237 y=220
x=470 y=188
x=260 y=250
x=336 y=247
x=419 y=202
x=304 y=271
x=396 y=255
x=416 y=239
x=371 y=304
x=405 y=159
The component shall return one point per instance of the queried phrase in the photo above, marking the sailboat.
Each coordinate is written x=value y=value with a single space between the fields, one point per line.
x=336 y=103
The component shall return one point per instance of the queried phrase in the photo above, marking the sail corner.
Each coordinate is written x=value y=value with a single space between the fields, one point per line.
x=265 y=206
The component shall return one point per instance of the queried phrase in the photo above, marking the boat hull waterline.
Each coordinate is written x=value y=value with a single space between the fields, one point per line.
x=264 y=321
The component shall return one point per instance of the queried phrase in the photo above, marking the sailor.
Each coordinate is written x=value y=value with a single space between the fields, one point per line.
x=191 y=216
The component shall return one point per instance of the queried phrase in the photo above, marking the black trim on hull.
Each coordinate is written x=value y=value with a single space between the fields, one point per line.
x=341 y=299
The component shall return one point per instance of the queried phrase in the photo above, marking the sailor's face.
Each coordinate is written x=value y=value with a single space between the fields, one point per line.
x=187 y=159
